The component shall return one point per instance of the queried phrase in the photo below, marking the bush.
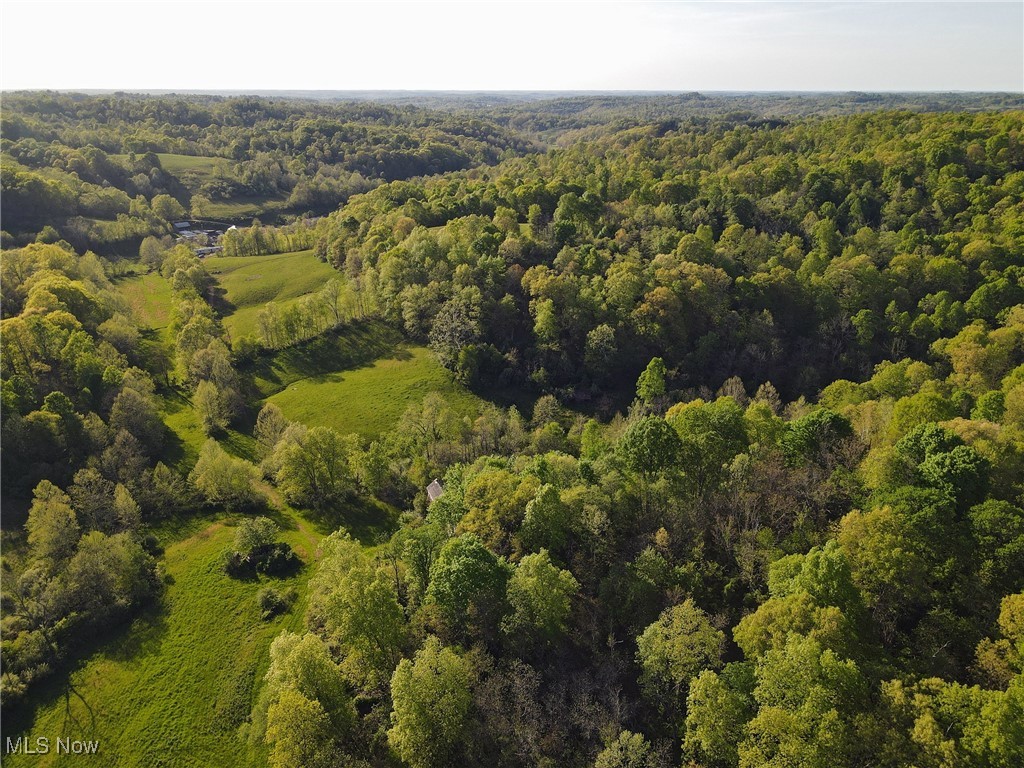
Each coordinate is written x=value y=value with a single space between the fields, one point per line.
x=275 y=560
x=273 y=601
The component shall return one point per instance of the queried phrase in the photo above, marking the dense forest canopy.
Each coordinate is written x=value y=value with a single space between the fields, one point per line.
x=759 y=500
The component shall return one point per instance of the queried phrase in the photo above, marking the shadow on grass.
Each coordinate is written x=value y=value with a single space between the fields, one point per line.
x=132 y=639
x=218 y=299
x=355 y=345
x=365 y=520
x=174 y=450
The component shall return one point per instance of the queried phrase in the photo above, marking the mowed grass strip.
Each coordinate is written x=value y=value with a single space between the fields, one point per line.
x=370 y=400
x=240 y=209
x=174 y=687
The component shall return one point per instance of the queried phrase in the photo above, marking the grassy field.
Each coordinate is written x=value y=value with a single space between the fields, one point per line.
x=149 y=298
x=173 y=688
x=193 y=172
x=186 y=438
x=241 y=208
x=370 y=400
x=250 y=282
x=204 y=168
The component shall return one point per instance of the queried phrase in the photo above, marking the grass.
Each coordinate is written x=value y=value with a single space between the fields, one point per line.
x=193 y=171
x=241 y=208
x=149 y=298
x=173 y=688
x=250 y=282
x=186 y=436
x=370 y=400
x=204 y=168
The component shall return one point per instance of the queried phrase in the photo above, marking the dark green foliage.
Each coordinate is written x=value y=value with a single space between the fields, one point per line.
x=274 y=601
x=813 y=436
x=650 y=446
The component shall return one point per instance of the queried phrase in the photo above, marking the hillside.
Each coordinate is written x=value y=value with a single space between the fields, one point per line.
x=594 y=432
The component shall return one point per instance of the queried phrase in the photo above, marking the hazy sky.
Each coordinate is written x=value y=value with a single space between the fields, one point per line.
x=720 y=45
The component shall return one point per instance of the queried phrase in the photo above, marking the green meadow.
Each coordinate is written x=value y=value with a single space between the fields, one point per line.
x=240 y=209
x=148 y=297
x=173 y=688
x=250 y=282
x=370 y=400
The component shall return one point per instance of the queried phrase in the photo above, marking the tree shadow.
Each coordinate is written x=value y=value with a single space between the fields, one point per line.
x=355 y=345
x=365 y=520
x=134 y=639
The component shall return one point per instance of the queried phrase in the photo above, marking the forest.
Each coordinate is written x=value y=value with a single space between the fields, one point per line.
x=598 y=431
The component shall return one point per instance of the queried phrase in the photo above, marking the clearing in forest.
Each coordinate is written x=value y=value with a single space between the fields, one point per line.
x=251 y=282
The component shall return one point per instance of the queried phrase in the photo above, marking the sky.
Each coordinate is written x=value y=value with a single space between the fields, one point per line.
x=528 y=45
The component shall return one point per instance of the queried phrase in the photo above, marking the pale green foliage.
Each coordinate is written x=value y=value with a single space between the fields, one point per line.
x=224 y=479
x=107 y=574
x=253 y=533
x=362 y=615
x=884 y=563
x=209 y=407
x=299 y=732
x=805 y=697
x=314 y=467
x=629 y=750
x=824 y=573
x=270 y=425
x=303 y=677
x=937 y=723
x=52 y=526
x=676 y=647
x=717 y=710
x=496 y=501
x=769 y=626
x=540 y=596
x=431 y=699
x=129 y=515
x=711 y=435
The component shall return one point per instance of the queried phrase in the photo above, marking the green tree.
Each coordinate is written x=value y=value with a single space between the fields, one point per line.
x=315 y=468
x=814 y=436
x=224 y=479
x=711 y=435
x=299 y=732
x=650 y=446
x=718 y=708
x=546 y=523
x=53 y=530
x=807 y=698
x=362 y=615
x=455 y=327
x=540 y=597
x=431 y=700
x=628 y=750
x=675 y=648
x=467 y=582
x=270 y=425
x=210 y=408
x=254 y=533
x=167 y=208
x=651 y=384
